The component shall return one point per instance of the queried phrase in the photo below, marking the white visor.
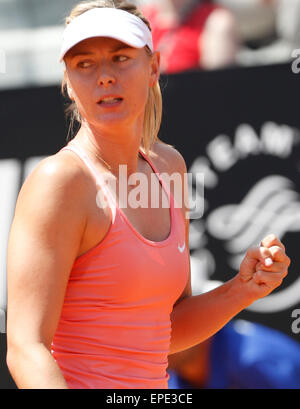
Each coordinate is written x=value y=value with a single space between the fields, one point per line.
x=106 y=22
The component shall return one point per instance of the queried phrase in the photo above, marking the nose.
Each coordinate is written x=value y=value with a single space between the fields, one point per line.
x=106 y=79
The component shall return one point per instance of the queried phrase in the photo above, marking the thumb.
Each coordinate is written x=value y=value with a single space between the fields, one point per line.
x=265 y=256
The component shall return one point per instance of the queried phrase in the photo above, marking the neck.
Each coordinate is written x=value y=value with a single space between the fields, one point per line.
x=111 y=147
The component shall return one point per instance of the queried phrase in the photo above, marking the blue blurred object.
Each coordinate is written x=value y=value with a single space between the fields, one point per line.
x=247 y=355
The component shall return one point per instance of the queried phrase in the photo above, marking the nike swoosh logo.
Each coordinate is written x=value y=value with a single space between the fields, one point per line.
x=181 y=249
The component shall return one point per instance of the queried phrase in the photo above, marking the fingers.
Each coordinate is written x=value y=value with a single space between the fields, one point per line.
x=270 y=241
x=268 y=256
x=276 y=267
x=271 y=280
x=278 y=254
x=261 y=254
x=265 y=266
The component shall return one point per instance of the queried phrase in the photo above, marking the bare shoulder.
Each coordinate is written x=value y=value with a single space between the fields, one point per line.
x=55 y=184
x=56 y=172
x=46 y=232
x=61 y=167
x=167 y=158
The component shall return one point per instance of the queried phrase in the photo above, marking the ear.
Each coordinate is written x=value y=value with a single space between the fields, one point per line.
x=155 y=68
x=70 y=93
x=70 y=90
x=68 y=85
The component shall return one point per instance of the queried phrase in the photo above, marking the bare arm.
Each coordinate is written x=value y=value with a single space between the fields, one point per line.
x=199 y=317
x=44 y=239
x=196 y=318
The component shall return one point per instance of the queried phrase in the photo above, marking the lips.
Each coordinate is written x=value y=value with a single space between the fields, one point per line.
x=110 y=100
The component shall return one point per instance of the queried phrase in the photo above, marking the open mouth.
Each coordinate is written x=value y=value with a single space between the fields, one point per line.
x=110 y=101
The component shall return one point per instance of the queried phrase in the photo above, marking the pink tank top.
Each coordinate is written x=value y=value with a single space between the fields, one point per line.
x=114 y=329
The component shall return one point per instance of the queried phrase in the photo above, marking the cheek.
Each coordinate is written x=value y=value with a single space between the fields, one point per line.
x=79 y=83
x=83 y=89
x=137 y=84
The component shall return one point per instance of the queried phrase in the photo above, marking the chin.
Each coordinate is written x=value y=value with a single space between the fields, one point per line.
x=112 y=118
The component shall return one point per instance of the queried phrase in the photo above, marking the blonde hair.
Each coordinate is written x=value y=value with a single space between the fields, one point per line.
x=153 y=109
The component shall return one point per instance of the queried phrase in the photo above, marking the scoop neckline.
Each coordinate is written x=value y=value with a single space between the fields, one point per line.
x=114 y=201
x=171 y=212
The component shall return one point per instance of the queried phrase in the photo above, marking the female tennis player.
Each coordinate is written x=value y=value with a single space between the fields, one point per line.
x=94 y=287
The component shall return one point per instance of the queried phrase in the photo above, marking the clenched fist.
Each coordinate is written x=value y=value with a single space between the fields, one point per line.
x=263 y=268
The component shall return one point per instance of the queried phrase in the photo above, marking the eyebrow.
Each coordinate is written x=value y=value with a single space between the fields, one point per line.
x=112 y=50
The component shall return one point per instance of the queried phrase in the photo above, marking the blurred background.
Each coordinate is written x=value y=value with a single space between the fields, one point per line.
x=230 y=84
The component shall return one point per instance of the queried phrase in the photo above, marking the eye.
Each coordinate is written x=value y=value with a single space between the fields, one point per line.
x=84 y=64
x=121 y=58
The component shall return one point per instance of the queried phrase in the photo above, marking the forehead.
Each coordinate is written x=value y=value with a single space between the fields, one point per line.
x=94 y=44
